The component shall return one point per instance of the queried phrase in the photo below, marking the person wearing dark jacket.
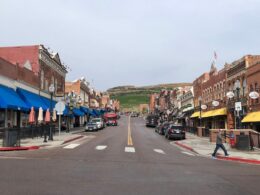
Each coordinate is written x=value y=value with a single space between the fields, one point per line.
x=219 y=144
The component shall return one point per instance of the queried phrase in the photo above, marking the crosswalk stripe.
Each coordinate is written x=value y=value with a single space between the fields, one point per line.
x=130 y=149
x=159 y=151
x=188 y=153
x=101 y=147
x=71 y=146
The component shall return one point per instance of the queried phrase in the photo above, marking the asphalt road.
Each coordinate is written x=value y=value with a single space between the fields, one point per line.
x=103 y=165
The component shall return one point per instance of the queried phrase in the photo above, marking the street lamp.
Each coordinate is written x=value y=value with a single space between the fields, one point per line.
x=238 y=105
x=51 y=90
x=200 y=99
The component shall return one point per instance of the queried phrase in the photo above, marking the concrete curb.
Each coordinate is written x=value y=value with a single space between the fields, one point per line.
x=72 y=139
x=227 y=158
x=19 y=148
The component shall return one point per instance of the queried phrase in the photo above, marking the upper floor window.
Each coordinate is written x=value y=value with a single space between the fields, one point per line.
x=42 y=79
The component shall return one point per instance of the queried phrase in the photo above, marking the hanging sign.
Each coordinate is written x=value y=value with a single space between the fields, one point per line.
x=254 y=95
x=203 y=107
x=230 y=94
x=215 y=103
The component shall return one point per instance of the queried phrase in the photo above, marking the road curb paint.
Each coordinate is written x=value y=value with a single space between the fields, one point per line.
x=186 y=147
x=242 y=160
x=227 y=158
x=17 y=148
x=72 y=139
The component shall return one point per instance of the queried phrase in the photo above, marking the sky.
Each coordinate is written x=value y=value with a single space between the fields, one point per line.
x=135 y=42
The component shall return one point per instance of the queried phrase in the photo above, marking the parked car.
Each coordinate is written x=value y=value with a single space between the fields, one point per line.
x=99 y=121
x=175 y=132
x=152 y=120
x=91 y=126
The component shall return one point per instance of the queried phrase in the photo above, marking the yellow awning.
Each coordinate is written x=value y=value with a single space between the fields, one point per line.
x=252 y=117
x=195 y=114
x=211 y=113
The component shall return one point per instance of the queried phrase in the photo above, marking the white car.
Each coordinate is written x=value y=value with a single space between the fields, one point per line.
x=99 y=121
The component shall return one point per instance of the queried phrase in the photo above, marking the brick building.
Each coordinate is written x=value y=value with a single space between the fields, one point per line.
x=213 y=97
x=237 y=71
x=28 y=72
x=197 y=90
x=252 y=119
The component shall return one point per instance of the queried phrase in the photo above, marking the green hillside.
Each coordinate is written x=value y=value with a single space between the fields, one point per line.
x=131 y=97
x=131 y=101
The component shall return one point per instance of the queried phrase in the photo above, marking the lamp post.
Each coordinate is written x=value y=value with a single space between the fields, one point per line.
x=238 y=105
x=51 y=90
x=200 y=109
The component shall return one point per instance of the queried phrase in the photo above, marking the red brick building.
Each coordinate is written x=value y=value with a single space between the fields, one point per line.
x=213 y=97
x=28 y=72
x=252 y=119
x=237 y=71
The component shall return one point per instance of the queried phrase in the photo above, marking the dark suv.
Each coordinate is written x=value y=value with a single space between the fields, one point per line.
x=175 y=132
x=152 y=120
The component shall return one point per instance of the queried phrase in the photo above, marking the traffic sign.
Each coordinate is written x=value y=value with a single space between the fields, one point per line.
x=238 y=106
x=60 y=107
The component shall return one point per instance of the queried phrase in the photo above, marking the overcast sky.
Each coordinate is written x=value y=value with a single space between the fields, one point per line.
x=137 y=42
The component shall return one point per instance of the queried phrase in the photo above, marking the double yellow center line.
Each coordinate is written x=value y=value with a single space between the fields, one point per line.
x=129 y=137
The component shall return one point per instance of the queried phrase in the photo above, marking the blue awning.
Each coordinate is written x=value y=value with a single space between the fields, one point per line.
x=10 y=99
x=96 y=112
x=66 y=112
x=32 y=99
x=91 y=112
x=47 y=102
x=84 y=109
x=77 y=112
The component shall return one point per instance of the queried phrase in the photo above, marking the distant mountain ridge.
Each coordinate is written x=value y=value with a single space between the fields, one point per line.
x=151 y=88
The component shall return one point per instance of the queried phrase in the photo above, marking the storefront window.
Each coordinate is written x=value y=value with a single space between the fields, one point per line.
x=2 y=118
x=25 y=119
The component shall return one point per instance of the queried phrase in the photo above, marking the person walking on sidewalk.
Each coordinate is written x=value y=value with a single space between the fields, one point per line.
x=219 y=144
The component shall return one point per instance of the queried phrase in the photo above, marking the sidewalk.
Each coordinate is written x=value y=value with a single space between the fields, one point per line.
x=37 y=142
x=203 y=147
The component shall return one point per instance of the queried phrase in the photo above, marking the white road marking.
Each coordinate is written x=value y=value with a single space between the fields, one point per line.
x=12 y=157
x=71 y=146
x=101 y=147
x=129 y=149
x=188 y=153
x=159 y=151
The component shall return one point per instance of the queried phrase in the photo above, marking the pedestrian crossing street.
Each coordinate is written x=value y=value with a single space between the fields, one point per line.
x=127 y=149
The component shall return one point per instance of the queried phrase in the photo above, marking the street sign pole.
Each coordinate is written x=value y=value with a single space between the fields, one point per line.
x=59 y=124
x=60 y=107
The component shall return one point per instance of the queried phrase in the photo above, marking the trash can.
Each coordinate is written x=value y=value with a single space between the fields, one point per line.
x=243 y=142
x=11 y=138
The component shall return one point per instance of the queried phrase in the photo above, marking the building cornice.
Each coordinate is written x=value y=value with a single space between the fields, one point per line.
x=52 y=63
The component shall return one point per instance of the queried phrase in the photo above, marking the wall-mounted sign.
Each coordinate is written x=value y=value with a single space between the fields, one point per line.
x=254 y=95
